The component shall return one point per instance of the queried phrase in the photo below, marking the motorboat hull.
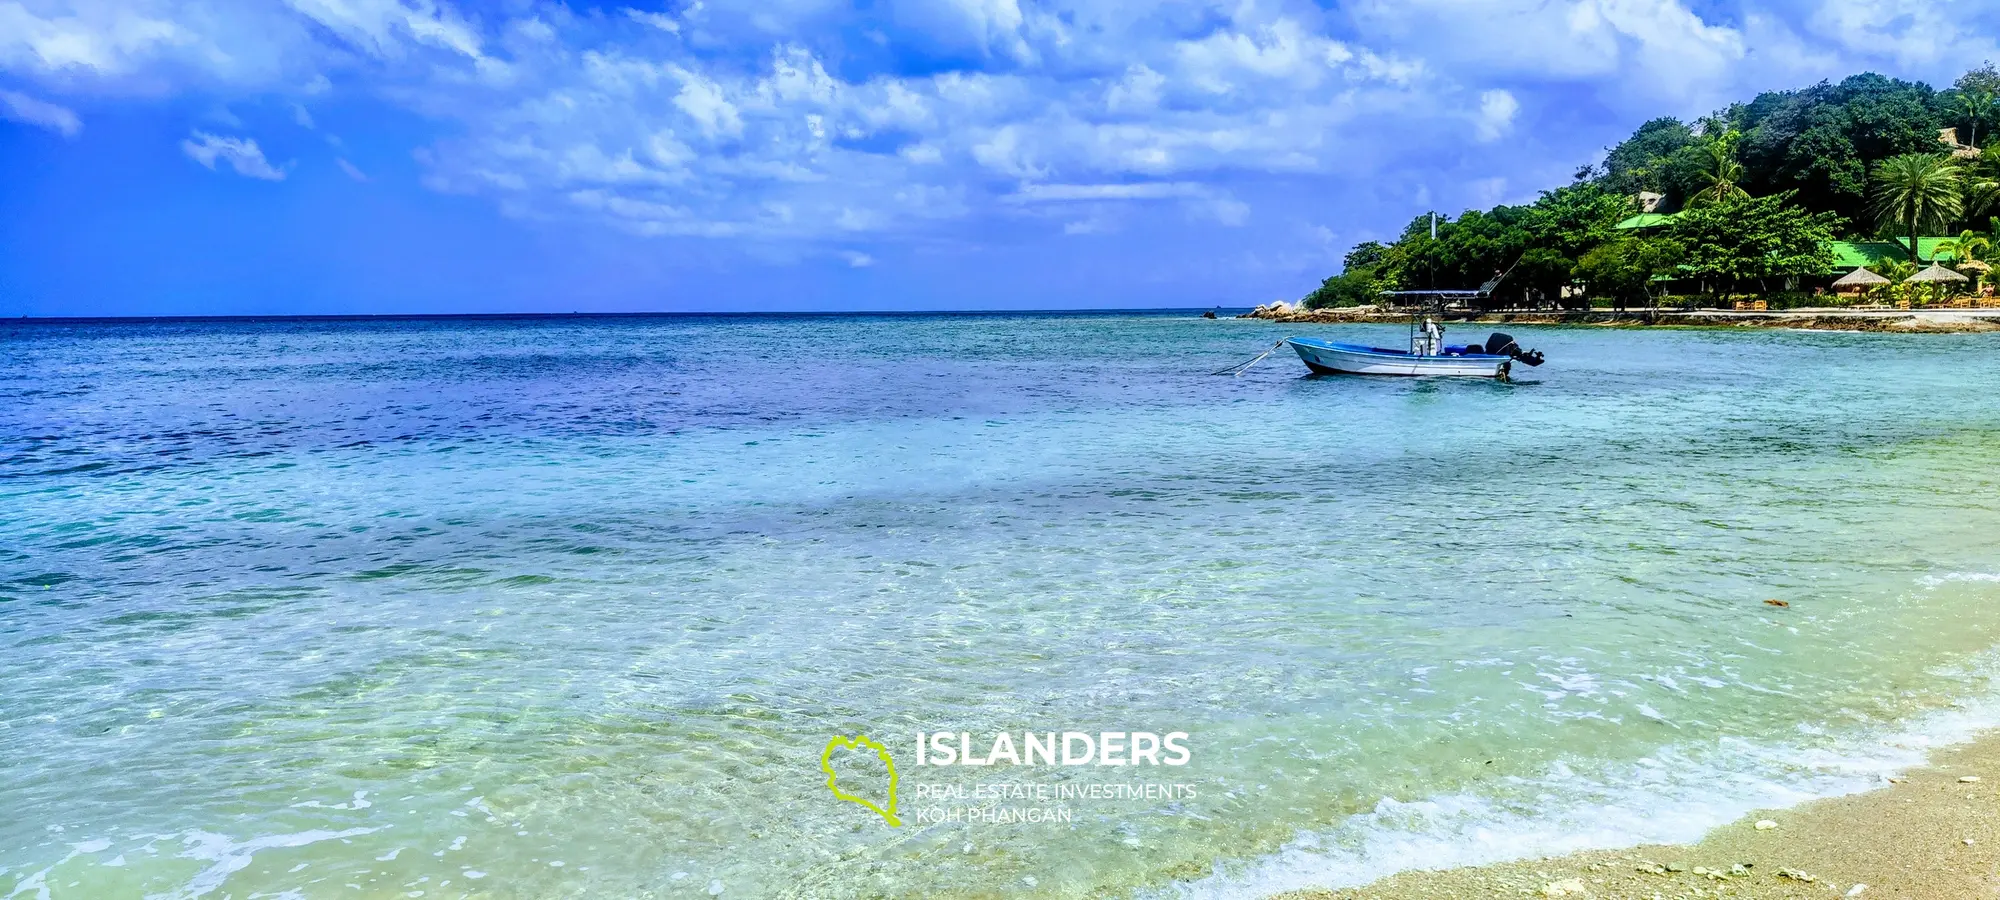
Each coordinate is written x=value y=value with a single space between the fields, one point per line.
x=1329 y=358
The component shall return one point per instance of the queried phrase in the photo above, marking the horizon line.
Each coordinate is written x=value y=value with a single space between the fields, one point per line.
x=743 y=314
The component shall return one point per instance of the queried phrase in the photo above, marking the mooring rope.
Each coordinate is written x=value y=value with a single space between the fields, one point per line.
x=1239 y=369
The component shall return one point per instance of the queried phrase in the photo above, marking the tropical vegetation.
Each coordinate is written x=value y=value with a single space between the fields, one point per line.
x=1747 y=200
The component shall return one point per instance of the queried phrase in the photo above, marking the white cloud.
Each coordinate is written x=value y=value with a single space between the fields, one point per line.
x=1138 y=91
x=1035 y=193
x=1653 y=48
x=242 y=154
x=703 y=101
x=1227 y=211
x=1495 y=116
x=1936 y=39
x=350 y=169
x=1282 y=51
x=858 y=260
x=380 y=27
x=95 y=38
x=753 y=122
x=1007 y=152
x=922 y=154
x=1096 y=224
x=661 y=21
x=23 y=108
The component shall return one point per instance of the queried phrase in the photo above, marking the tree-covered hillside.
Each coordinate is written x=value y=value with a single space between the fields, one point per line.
x=1749 y=198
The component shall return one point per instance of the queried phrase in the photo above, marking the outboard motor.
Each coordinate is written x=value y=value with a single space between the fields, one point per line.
x=1503 y=345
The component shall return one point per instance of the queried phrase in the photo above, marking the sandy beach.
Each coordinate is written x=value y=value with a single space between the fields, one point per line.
x=1933 y=834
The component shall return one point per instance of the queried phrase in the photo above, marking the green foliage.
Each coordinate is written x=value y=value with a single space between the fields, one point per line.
x=1817 y=142
x=1893 y=269
x=1763 y=186
x=1543 y=272
x=1640 y=163
x=1977 y=91
x=1721 y=174
x=1345 y=289
x=1754 y=239
x=1977 y=108
x=1623 y=268
x=1468 y=251
x=1540 y=242
x=1917 y=190
x=1367 y=256
x=1969 y=245
x=1359 y=282
x=1562 y=226
x=1985 y=78
x=1979 y=186
x=1573 y=219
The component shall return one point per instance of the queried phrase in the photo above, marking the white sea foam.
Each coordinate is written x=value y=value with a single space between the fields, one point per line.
x=1676 y=796
x=226 y=856
x=1935 y=581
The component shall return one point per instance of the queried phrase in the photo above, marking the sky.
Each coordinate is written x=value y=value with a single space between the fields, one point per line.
x=256 y=157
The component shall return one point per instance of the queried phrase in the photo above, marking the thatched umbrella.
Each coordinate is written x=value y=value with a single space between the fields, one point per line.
x=1973 y=265
x=1936 y=274
x=1859 y=278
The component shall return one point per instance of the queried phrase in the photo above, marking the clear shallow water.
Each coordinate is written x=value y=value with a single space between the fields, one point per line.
x=363 y=609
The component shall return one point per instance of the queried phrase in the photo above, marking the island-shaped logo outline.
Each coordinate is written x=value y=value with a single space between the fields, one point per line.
x=854 y=743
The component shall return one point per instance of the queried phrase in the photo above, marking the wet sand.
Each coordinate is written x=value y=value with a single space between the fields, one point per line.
x=1930 y=835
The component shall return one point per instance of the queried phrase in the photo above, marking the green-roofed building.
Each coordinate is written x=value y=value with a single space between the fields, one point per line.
x=1850 y=254
x=1644 y=221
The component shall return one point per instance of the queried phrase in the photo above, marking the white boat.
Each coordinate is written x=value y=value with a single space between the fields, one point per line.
x=1428 y=353
x=1330 y=358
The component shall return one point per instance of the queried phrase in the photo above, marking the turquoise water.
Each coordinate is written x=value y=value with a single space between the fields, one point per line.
x=570 y=607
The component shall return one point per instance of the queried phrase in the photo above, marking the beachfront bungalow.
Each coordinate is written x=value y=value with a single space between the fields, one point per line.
x=1850 y=255
x=1847 y=256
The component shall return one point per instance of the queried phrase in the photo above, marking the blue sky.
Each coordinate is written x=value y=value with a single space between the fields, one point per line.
x=382 y=156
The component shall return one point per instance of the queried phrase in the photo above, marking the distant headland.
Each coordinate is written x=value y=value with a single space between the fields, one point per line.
x=1868 y=192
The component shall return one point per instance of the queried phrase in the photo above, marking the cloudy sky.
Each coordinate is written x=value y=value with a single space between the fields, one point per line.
x=374 y=156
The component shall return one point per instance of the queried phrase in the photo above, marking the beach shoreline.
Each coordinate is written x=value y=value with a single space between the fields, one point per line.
x=1931 y=833
x=1946 y=320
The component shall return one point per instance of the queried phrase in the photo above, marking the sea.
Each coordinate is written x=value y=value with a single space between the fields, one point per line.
x=605 y=606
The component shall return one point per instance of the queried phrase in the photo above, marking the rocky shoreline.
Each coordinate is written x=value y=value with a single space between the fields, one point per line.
x=1902 y=321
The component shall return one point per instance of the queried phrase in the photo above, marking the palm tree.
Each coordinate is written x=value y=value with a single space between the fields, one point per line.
x=1977 y=105
x=1893 y=269
x=1967 y=247
x=1980 y=189
x=1896 y=271
x=1918 y=191
x=1723 y=172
